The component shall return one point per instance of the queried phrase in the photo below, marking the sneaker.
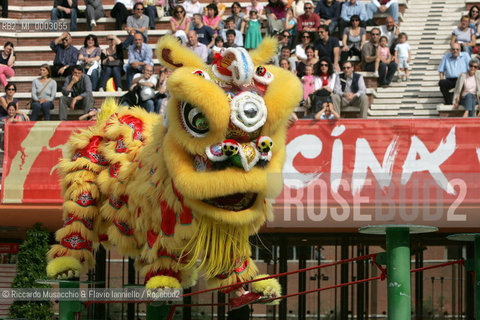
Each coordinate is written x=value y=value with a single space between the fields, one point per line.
x=101 y=90
x=407 y=79
x=375 y=74
x=93 y=23
x=399 y=79
x=119 y=89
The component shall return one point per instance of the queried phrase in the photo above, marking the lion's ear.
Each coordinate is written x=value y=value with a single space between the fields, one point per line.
x=173 y=55
x=265 y=51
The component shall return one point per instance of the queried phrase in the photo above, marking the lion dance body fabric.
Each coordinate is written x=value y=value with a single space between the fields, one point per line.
x=190 y=187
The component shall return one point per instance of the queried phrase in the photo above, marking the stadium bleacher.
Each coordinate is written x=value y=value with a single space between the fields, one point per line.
x=427 y=23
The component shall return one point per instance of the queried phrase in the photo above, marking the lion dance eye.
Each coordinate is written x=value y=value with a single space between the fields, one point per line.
x=202 y=74
x=195 y=122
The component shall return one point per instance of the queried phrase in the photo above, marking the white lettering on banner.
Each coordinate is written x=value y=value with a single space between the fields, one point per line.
x=364 y=159
x=430 y=161
x=342 y=202
x=478 y=154
x=451 y=216
x=336 y=165
x=296 y=146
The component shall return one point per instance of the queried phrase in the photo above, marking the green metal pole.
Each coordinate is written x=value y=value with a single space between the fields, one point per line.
x=398 y=274
x=68 y=309
x=157 y=311
x=476 y=267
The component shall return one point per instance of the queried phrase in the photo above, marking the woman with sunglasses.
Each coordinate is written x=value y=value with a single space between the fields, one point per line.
x=7 y=60
x=43 y=93
x=112 y=63
x=474 y=15
x=354 y=38
x=324 y=83
x=8 y=98
x=179 y=21
x=89 y=58
x=306 y=41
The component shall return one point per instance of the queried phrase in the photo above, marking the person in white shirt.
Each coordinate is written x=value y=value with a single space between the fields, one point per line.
x=403 y=54
x=192 y=7
x=147 y=81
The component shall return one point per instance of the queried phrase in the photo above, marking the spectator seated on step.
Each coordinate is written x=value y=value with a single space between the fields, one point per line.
x=145 y=83
x=121 y=10
x=350 y=91
x=230 y=39
x=386 y=71
x=237 y=14
x=275 y=11
x=327 y=46
x=199 y=48
x=382 y=6
x=329 y=12
x=152 y=10
x=66 y=55
x=65 y=9
x=350 y=8
x=7 y=61
x=192 y=7
x=136 y=24
x=467 y=89
x=230 y=25
x=43 y=94
x=139 y=55
x=112 y=63
x=452 y=65
x=206 y=35
x=89 y=59
x=391 y=31
x=94 y=12
x=474 y=15
x=309 y=21
x=354 y=38
x=285 y=53
x=76 y=93
x=464 y=35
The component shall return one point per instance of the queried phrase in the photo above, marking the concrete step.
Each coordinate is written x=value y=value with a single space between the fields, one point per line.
x=408 y=100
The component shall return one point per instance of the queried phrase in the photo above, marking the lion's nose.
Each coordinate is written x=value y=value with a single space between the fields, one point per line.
x=248 y=111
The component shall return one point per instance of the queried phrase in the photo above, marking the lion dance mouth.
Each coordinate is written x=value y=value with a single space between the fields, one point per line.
x=233 y=202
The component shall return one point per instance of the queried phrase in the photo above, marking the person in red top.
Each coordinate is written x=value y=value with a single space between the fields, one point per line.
x=309 y=21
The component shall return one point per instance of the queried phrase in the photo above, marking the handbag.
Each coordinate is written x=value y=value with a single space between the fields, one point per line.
x=29 y=102
x=114 y=63
x=160 y=11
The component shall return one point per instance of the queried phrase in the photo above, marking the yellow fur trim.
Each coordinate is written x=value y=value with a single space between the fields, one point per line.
x=276 y=96
x=126 y=245
x=176 y=54
x=162 y=282
x=269 y=287
x=75 y=228
x=217 y=246
x=61 y=265
x=109 y=106
x=265 y=51
x=189 y=278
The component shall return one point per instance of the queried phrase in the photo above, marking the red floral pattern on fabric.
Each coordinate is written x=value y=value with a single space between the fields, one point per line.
x=88 y=223
x=90 y=152
x=75 y=241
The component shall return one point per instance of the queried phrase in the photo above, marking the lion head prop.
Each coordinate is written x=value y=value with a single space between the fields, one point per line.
x=189 y=187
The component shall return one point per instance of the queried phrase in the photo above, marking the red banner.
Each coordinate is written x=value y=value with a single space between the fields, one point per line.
x=351 y=173
x=345 y=173
x=32 y=152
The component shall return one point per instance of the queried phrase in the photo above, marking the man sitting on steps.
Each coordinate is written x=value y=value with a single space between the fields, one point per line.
x=452 y=65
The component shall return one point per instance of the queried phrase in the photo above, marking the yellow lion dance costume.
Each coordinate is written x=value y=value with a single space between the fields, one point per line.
x=187 y=188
